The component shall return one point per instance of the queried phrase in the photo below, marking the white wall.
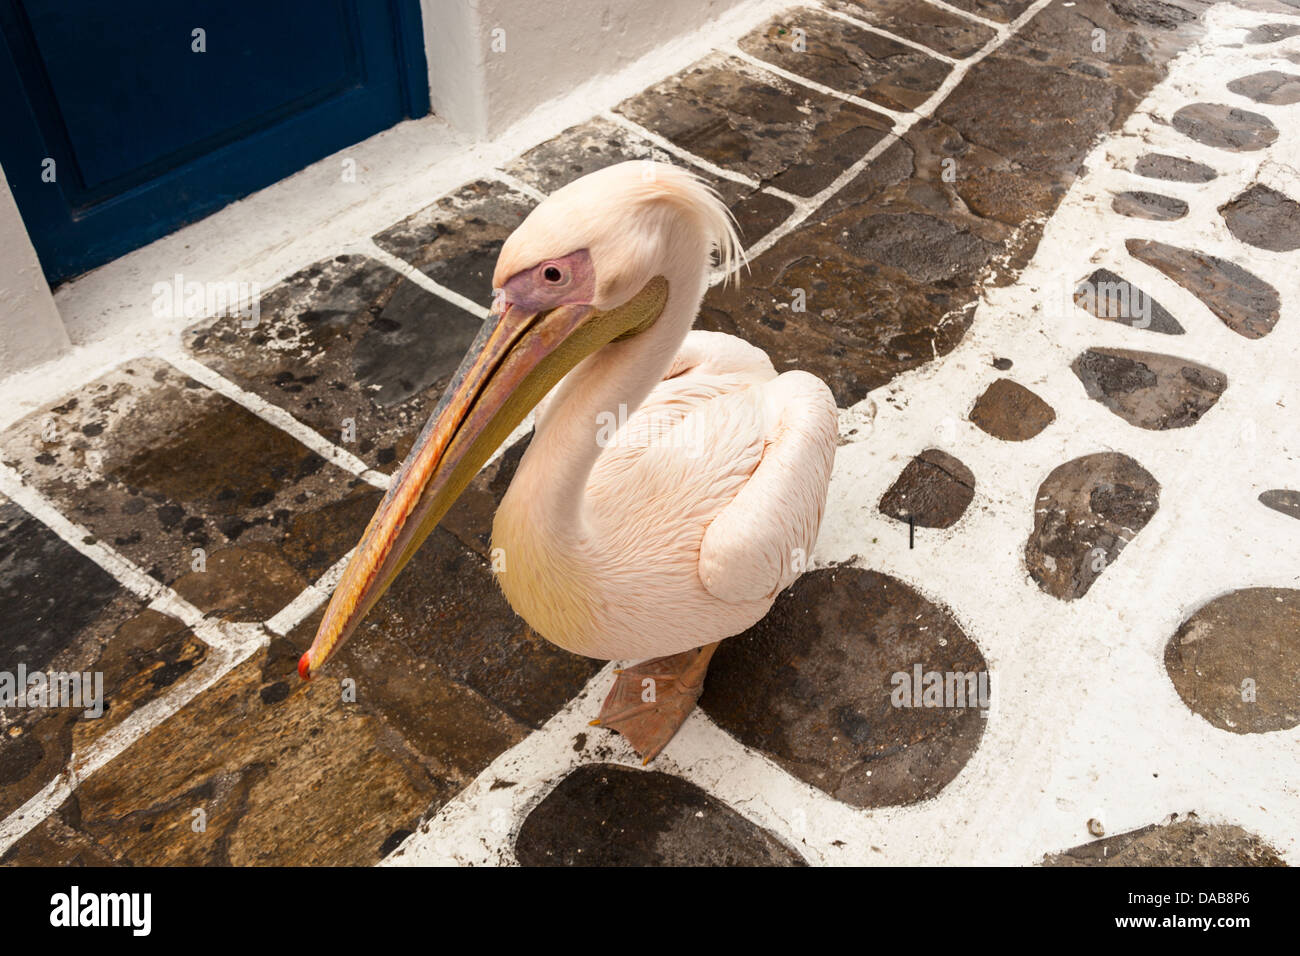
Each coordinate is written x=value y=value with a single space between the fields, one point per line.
x=550 y=46
x=30 y=329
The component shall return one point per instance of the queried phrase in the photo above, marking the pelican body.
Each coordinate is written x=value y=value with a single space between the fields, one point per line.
x=675 y=483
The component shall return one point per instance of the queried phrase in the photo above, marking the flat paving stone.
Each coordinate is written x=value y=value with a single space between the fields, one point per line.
x=350 y=348
x=1085 y=512
x=1271 y=86
x=607 y=815
x=1236 y=661
x=1166 y=16
x=756 y=123
x=260 y=769
x=455 y=241
x=1272 y=32
x=1173 y=168
x=1138 y=39
x=1226 y=127
x=824 y=687
x=1186 y=842
x=598 y=143
x=156 y=466
x=1002 y=10
x=1285 y=500
x=933 y=491
x=1112 y=298
x=1144 y=205
x=1264 y=218
x=1147 y=389
x=67 y=615
x=847 y=58
x=1246 y=303
x=947 y=32
x=1011 y=412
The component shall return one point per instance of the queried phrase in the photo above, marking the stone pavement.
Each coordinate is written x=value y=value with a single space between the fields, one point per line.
x=1044 y=253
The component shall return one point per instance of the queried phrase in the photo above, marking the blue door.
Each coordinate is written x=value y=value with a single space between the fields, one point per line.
x=125 y=119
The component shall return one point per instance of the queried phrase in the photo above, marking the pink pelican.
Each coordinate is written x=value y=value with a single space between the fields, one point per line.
x=675 y=482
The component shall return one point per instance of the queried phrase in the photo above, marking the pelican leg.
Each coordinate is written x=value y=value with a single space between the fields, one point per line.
x=649 y=702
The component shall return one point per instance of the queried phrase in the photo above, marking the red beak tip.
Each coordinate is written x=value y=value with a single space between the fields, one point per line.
x=304 y=666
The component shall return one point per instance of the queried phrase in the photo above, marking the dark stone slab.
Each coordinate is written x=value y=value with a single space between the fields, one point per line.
x=1173 y=168
x=1136 y=38
x=813 y=686
x=606 y=815
x=1236 y=661
x=1225 y=127
x=1271 y=86
x=1112 y=298
x=284 y=773
x=756 y=123
x=1145 y=205
x=157 y=465
x=1156 y=13
x=1086 y=510
x=598 y=143
x=934 y=490
x=839 y=55
x=1011 y=412
x=53 y=843
x=455 y=241
x=1282 y=499
x=1272 y=32
x=348 y=347
x=1147 y=389
x=1003 y=11
x=66 y=615
x=1187 y=842
x=1265 y=218
x=1247 y=304
x=929 y=24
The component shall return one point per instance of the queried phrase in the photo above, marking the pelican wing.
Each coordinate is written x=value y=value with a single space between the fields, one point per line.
x=761 y=541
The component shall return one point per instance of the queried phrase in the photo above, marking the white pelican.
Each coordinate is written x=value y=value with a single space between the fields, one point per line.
x=674 y=484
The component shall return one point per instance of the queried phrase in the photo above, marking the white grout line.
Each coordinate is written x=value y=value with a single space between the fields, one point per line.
x=271 y=413
x=735 y=51
x=517 y=184
x=995 y=24
x=872 y=28
x=367 y=247
x=669 y=146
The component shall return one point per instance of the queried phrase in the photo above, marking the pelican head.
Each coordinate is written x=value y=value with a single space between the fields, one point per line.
x=585 y=269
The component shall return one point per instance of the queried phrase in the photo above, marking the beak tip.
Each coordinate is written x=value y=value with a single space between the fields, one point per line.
x=304 y=666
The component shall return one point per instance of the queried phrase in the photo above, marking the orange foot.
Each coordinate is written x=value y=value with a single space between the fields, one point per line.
x=649 y=702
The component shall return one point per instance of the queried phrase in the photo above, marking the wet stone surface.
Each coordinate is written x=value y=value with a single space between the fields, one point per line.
x=455 y=240
x=157 y=466
x=1246 y=303
x=606 y=815
x=1264 y=218
x=1145 y=205
x=1002 y=10
x=1225 y=127
x=758 y=124
x=1086 y=511
x=1272 y=32
x=1284 y=500
x=348 y=347
x=928 y=24
x=1271 y=86
x=1173 y=169
x=933 y=491
x=1011 y=412
x=1147 y=389
x=598 y=143
x=66 y=615
x=1236 y=661
x=1112 y=298
x=846 y=58
x=813 y=686
x=1186 y=842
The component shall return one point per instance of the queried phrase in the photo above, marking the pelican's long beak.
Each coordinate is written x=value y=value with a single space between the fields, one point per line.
x=516 y=359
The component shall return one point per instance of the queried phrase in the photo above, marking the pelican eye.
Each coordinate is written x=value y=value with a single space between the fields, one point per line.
x=552 y=274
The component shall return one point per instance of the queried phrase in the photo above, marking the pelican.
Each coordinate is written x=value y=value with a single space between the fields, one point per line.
x=675 y=482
